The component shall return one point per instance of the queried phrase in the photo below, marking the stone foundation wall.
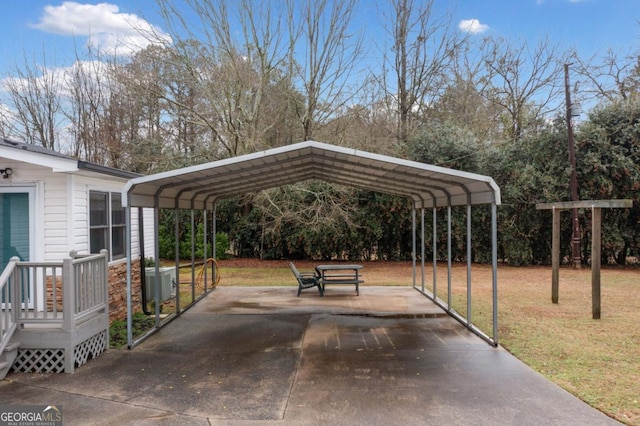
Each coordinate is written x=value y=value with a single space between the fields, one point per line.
x=51 y=296
x=118 y=290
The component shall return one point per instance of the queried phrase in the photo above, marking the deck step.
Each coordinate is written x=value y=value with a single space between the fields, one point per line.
x=7 y=357
x=12 y=347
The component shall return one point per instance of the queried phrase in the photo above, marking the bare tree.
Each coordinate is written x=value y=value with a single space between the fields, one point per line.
x=186 y=137
x=34 y=92
x=526 y=82
x=6 y=122
x=423 y=48
x=464 y=99
x=319 y=208
x=608 y=77
x=85 y=107
x=327 y=65
x=115 y=115
x=232 y=71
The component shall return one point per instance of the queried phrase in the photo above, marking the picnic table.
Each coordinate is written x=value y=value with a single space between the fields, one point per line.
x=340 y=274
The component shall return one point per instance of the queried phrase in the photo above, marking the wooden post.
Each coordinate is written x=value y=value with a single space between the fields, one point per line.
x=69 y=311
x=68 y=296
x=596 y=219
x=596 y=207
x=555 y=256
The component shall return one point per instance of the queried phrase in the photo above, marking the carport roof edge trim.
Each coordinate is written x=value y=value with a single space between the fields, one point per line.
x=478 y=189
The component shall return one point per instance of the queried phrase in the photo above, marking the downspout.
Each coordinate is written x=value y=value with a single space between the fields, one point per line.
x=143 y=272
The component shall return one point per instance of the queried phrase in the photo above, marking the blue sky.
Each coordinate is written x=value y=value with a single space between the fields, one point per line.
x=587 y=25
x=31 y=27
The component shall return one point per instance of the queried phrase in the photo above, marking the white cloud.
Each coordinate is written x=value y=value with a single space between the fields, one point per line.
x=7 y=115
x=60 y=78
x=472 y=26
x=8 y=122
x=107 y=29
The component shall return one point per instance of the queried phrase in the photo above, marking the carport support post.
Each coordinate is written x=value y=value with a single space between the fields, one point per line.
x=156 y=254
x=215 y=240
x=193 y=253
x=177 y=250
x=214 y=265
x=127 y=219
x=449 y=251
x=413 y=243
x=596 y=218
x=555 y=255
x=422 y=242
x=494 y=267
x=469 y=321
x=435 y=251
x=204 y=248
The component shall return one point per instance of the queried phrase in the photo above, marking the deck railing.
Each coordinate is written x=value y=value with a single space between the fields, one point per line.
x=7 y=319
x=58 y=294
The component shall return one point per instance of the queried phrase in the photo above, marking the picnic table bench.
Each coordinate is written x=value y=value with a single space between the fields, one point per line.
x=306 y=279
x=340 y=274
x=328 y=274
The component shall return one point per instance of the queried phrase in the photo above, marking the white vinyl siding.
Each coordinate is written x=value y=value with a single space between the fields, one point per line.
x=56 y=216
x=60 y=209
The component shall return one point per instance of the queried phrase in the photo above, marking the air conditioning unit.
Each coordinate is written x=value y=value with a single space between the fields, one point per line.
x=167 y=283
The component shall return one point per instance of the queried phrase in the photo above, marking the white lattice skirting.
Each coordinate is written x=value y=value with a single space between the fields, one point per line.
x=90 y=348
x=39 y=361
x=52 y=360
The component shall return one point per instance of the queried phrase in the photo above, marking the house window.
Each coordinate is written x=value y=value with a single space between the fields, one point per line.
x=118 y=227
x=107 y=223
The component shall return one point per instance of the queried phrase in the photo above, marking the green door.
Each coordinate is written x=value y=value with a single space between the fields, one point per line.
x=15 y=229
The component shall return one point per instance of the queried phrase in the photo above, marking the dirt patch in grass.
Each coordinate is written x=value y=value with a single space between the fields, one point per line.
x=596 y=360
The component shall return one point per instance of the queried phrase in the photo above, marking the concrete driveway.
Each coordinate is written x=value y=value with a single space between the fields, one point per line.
x=254 y=356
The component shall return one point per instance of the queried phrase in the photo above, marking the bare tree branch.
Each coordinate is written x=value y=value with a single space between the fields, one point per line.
x=526 y=82
x=34 y=92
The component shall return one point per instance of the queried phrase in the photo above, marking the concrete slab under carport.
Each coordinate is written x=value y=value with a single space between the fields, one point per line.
x=261 y=355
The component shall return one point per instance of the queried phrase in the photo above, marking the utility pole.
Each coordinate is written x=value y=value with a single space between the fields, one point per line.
x=573 y=184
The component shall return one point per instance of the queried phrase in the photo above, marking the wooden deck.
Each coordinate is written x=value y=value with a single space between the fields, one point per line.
x=55 y=315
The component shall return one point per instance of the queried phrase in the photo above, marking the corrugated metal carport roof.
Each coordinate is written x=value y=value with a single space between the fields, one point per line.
x=200 y=186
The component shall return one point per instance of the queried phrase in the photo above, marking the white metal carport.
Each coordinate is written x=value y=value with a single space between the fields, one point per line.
x=429 y=187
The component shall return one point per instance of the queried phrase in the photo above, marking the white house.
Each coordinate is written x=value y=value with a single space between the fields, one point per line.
x=52 y=204
x=57 y=211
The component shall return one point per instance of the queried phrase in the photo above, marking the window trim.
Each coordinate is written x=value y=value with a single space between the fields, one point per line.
x=110 y=226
